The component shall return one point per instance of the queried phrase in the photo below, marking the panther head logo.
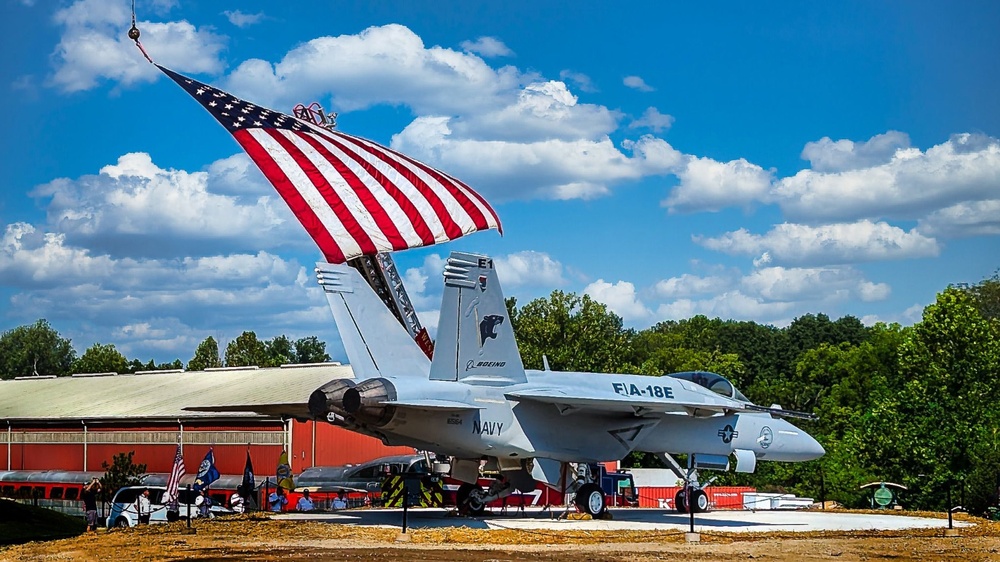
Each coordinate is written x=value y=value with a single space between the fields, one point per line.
x=488 y=327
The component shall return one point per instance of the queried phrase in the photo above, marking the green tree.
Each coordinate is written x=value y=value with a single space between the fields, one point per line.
x=137 y=365
x=206 y=356
x=933 y=426
x=278 y=351
x=986 y=294
x=246 y=350
x=120 y=473
x=310 y=350
x=575 y=333
x=101 y=358
x=35 y=349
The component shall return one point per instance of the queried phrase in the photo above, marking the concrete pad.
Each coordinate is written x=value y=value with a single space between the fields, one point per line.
x=633 y=520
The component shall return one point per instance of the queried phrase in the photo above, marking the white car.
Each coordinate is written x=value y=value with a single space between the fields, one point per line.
x=123 y=509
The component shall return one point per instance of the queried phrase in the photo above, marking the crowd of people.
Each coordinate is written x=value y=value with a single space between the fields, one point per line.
x=241 y=501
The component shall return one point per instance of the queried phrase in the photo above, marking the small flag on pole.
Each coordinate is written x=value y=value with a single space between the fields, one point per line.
x=249 y=484
x=353 y=196
x=284 y=473
x=207 y=473
x=174 y=482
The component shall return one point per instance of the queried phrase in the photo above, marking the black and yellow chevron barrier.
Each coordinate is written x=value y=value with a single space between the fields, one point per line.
x=422 y=494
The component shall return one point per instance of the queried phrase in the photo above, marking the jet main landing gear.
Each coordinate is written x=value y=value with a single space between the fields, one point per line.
x=471 y=499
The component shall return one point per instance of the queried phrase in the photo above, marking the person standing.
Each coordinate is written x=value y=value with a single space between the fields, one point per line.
x=204 y=504
x=340 y=502
x=305 y=503
x=143 y=507
x=89 y=497
x=278 y=499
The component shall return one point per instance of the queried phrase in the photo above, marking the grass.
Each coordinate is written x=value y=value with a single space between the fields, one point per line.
x=21 y=523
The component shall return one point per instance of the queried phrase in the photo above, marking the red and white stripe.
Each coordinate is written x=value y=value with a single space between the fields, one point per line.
x=356 y=197
x=174 y=482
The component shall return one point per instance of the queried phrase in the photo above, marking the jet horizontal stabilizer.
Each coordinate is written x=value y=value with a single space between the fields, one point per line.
x=291 y=410
x=431 y=404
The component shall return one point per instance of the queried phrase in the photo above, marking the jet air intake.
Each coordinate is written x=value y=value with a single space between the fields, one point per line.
x=329 y=399
x=366 y=402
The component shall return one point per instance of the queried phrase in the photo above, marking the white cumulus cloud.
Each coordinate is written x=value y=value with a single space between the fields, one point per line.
x=710 y=185
x=529 y=268
x=578 y=79
x=388 y=64
x=827 y=155
x=811 y=284
x=92 y=47
x=798 y=244
x=134 y=207
x=967 y=219
x=653 y=119
x=689 y=285
x=620 y=297
x=240 y=19
x=488 y=47
x=637 y=83
x=910 y=184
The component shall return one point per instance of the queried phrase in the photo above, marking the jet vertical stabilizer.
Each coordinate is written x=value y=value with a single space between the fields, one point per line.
x=376 y=343
x=475 y=339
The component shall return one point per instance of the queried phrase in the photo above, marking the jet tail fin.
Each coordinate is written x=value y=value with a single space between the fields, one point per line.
x=376 y=343
x=475 y=339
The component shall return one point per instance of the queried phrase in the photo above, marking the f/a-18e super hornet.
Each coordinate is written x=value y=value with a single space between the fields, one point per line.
x=475 y=400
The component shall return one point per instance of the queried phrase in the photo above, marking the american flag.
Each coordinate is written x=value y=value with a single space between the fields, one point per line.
x=353 y=196
x=174 y=482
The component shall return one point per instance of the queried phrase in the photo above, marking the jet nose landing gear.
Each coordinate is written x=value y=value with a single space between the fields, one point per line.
x=700 y=502
x=590 y=499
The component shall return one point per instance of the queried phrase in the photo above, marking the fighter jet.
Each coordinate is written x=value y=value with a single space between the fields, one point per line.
x=475 y=401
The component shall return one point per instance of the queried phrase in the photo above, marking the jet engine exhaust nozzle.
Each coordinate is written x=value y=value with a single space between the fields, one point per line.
x=366 y=402
x=329 y=398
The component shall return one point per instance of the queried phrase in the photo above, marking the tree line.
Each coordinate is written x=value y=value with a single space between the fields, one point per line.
x=917 y=405
x=38 y=349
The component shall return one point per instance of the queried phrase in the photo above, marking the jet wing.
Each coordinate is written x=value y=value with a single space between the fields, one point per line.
x=635 y=405
x=289 y=410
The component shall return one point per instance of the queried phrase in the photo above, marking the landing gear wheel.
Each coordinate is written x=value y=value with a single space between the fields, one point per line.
x=470 y=500
x=121 y=523
x=680 y=502
x=590 y=499
x=700 y=502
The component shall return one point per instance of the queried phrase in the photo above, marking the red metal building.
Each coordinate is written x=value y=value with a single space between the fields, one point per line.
x=77 y=423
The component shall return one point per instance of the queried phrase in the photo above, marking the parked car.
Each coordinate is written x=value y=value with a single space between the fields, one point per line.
x=365 y=477
x=123 y=508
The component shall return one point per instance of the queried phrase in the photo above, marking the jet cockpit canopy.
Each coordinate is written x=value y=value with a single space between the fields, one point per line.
x=714 y=382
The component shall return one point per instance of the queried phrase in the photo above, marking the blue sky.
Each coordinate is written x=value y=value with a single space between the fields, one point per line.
x=734 y=160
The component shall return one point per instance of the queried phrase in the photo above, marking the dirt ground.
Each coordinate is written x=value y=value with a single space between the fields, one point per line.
x=248 y=538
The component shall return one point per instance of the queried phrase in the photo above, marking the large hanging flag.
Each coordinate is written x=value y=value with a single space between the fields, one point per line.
x=353 y=196
x=284 y=473
x=174 y=481
x=207 y=473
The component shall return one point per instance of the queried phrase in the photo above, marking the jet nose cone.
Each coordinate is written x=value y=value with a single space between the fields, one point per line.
x=811 y=449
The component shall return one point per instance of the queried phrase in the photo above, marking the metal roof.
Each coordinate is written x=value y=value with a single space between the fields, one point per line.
x=161 y=395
